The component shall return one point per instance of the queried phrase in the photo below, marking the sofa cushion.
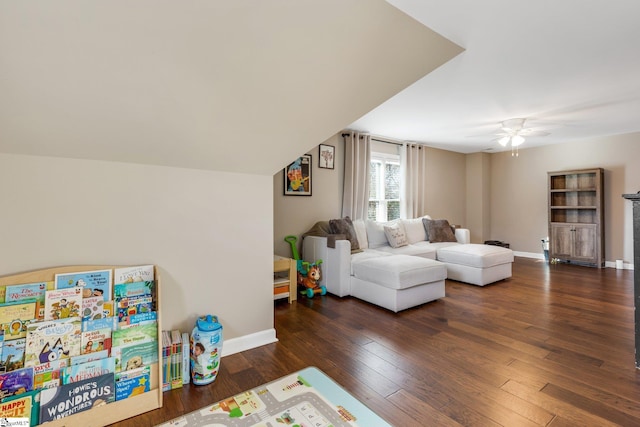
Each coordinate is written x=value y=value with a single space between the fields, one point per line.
x=345 y=226
x=395 y=235
x=439 y=230
x=365 y=255
x=421 y=249
x=415 y=230
x=475 y=255
x=399 y=271
x=361 y=233
x=319 y=229
x=375 y=234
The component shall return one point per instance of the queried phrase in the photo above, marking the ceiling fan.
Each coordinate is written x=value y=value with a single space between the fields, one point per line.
x=514 y=132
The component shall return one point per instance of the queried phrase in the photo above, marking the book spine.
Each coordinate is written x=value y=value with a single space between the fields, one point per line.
x=166 y=361
x=176 y=371
x=186 y=352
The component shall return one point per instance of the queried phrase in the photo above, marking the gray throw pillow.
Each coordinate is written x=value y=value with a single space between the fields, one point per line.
x=439 y=230
x=345 y=226
x=319 y=229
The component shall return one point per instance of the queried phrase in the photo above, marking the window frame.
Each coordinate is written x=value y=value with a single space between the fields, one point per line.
x=383 y=158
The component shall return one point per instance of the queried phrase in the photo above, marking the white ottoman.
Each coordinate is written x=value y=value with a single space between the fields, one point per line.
x=398 y=282
x=476 y=264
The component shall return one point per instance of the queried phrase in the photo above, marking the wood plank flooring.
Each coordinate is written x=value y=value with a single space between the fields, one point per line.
x=552 y=346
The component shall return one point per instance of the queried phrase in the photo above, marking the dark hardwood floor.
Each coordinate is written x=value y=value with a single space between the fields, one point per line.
x=552 y=346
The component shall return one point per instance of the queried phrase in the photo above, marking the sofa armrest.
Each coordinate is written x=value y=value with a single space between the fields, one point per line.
x=336 y=263
x=463 y=235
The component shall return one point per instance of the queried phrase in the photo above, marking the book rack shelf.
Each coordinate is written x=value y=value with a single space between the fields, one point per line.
x=118 y=410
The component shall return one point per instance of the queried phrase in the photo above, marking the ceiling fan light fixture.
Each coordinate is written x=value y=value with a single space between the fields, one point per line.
x=513 y=125
x=516 y=140
x=504 y=140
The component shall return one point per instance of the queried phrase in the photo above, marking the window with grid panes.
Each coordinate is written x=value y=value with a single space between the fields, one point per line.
x=384 y=187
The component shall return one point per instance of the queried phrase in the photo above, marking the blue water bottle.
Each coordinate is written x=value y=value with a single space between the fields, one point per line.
x=206 y=347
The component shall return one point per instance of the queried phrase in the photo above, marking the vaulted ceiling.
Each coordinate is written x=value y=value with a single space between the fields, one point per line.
x=570 y=67
x=241 y=86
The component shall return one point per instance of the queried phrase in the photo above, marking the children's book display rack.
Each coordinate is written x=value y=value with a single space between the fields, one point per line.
x=118 y=410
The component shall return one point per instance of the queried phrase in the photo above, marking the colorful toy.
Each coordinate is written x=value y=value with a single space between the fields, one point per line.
x=309 y=281
x=308 y=273
x=291 y=240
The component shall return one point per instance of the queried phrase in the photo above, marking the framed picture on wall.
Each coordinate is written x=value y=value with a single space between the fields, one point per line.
x=297 y=177
x=326 y=156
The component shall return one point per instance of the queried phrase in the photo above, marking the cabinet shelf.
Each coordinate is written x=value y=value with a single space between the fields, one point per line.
x=576 y=219
x=285 y=278
x=573 y=207
x=571 y=190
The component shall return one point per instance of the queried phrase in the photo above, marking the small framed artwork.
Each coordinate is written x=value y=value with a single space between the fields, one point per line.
x=326 y=157
x=297 y=177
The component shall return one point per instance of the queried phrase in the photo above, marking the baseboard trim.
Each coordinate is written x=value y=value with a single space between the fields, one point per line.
x=247 y=342
x=608 y=264
x=528 y=255
x=625 y=265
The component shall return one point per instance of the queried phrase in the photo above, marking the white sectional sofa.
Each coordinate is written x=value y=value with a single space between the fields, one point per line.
x=409 y=274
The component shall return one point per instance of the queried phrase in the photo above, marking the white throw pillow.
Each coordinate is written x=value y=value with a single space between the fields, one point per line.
x=396 y=235
x=361 y=232
x=414 y=229
x=375 y=234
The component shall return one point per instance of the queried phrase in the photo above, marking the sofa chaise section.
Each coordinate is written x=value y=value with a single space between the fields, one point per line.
x=476 y=264
x=398 y=282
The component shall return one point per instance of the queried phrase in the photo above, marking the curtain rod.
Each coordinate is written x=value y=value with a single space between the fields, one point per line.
x=375 y=139
x=386 y=141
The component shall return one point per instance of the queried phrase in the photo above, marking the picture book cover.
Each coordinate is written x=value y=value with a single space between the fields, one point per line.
x=133 y=382
x=89 y=357
x=69 y=399
x=92 y=283
x=92 y=308
x=92 y=325
x=15 y=317
x=83 y=371
x=23 y=405
x=134 y=289
x=95 y=340
x=47 y=375
x=27 y=292
x=135 y=334
x=134 y=305
x=109 y=310
x=53 y=340
x=16 y=382
x=136 y=319
x=63 y=303
x=12 y=355
x=135 y=355
x=142 y=273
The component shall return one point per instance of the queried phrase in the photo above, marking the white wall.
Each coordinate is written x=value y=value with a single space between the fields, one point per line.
x=296 y=214
x=519 y=190
x=445 y=193
x=446 y=183
x=495 y=195
x=478 y=196
x=169 y=82
x=210 y=233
